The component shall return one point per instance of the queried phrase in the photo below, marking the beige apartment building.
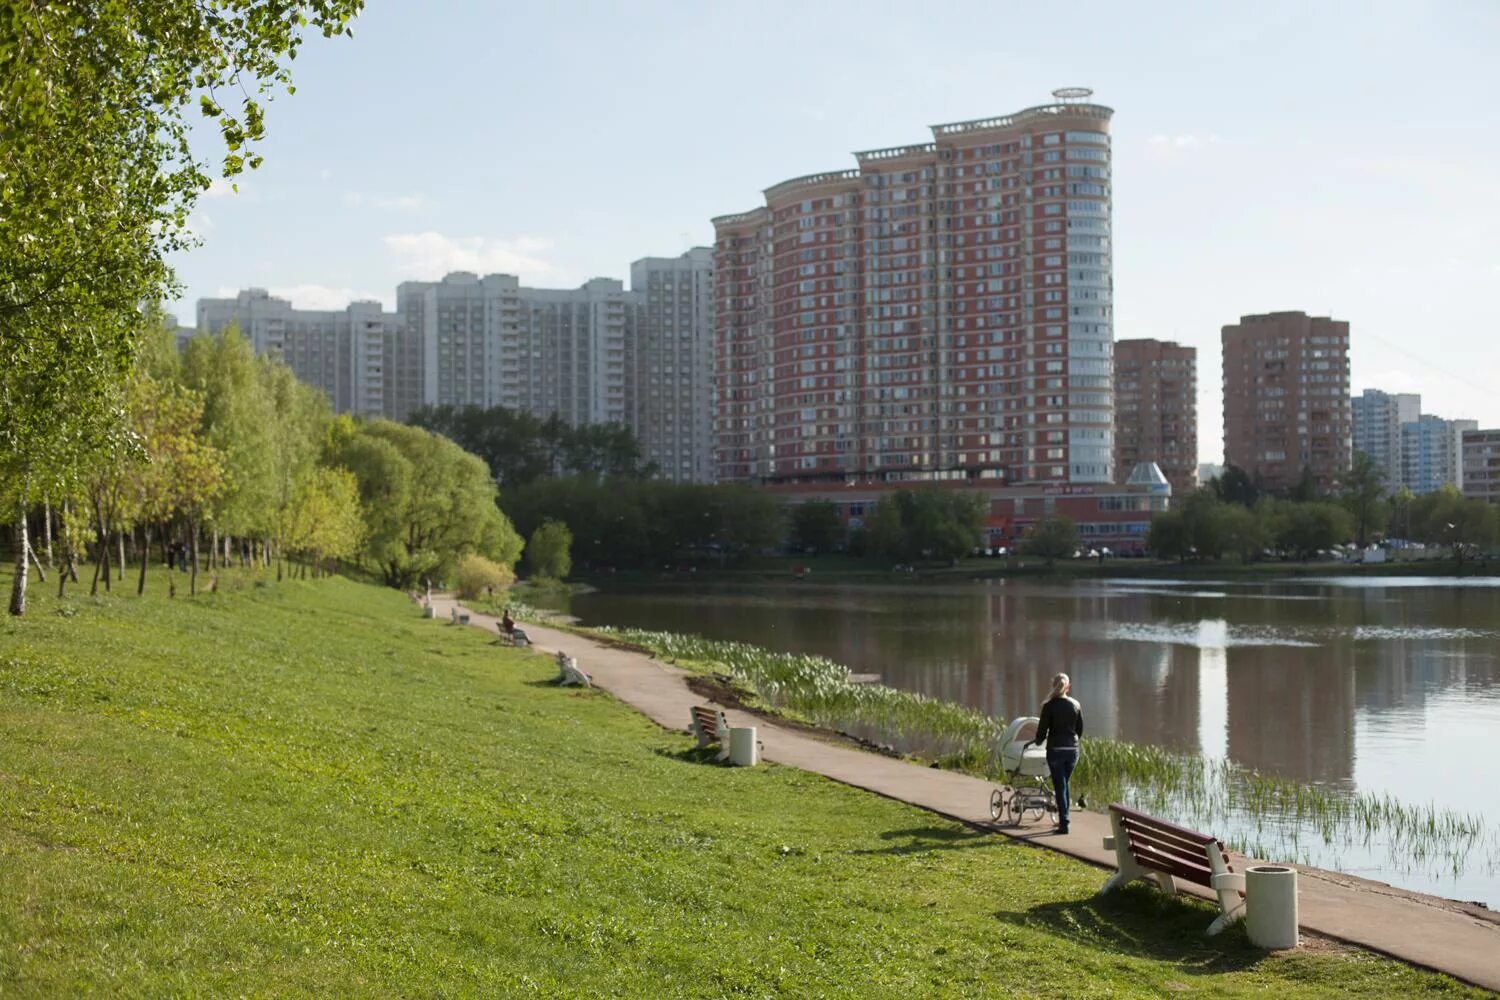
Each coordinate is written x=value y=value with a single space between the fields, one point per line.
x=1156 y=410
x=1286 y=398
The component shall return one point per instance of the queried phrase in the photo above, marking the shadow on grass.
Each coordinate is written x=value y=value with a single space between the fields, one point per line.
x=1145 y=923
x=921 y=839
x=693 y=755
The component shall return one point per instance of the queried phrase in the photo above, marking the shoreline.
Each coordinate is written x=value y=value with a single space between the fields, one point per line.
x=825 y=570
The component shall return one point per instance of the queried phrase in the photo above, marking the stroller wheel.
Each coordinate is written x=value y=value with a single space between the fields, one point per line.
x=997 y=804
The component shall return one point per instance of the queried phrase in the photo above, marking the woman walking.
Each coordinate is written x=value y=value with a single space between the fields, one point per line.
x=1060 y=726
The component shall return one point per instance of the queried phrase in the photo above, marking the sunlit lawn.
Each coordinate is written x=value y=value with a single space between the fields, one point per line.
x=305 y=788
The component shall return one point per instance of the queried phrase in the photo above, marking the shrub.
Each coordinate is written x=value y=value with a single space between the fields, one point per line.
x=547 y=554
x=476 y=574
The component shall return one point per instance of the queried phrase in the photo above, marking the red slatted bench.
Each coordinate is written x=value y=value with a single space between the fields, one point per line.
x=1149 y=848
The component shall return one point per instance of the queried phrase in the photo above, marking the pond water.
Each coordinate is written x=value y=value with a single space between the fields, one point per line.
x=1383 y=685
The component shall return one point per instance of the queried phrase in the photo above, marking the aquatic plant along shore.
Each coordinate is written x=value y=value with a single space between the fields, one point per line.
x=1257 y=814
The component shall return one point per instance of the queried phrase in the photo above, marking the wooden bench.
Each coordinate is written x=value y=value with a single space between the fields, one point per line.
x=1149 y=848
x=710 y=725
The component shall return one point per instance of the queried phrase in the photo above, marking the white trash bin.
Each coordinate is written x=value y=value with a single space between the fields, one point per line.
x=744 y=751
x=1271 y=905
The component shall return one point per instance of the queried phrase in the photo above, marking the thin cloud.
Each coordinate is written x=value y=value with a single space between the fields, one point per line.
x=1186 y=140
x=397 y=202
x=429 y=255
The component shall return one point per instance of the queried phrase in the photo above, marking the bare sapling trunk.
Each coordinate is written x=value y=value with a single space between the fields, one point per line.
x=23 y=543
x=140 y=587
x=172 y=562
x=101 y=568
x=120 y=540
x=41 y=574
x=47 y=530
x=193 y=556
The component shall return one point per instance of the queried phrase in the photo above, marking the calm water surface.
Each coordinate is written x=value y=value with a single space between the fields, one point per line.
x=1389 y=685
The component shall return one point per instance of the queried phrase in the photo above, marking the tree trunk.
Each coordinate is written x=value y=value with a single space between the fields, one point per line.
x=193 y=555
x=41 y=575
x=120 y=539
x=23 y=543
x=47 y=529
x=213 y=548
x=101 y=568
x=140 y=588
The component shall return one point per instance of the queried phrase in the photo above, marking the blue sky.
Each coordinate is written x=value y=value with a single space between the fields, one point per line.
x=1342 y=159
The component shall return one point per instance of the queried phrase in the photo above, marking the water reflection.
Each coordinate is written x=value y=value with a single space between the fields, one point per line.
x=1313 y=681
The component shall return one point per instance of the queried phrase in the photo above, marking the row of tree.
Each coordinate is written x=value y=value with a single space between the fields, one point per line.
x=1203 y=526
x=522 y=448
x=623 y=523
x=97 y=179
x=221 y=457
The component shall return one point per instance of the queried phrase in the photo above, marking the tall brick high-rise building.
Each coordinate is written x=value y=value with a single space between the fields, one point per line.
x=1156 y=410
x=1286 y=398
x=942 y=311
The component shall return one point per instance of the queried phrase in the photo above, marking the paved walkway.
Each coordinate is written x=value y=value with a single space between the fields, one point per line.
x=1461 y=940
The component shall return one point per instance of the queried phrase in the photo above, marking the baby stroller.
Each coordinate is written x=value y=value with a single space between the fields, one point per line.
x=1028 y=786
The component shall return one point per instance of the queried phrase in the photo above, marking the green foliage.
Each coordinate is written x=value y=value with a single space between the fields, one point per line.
x=241 y=423
x=426 y=502
x=521 y=448
x=477 y=576
x=1447 y=518
x=926 y=524
x=334 y=797
x=1234 y=485
x=324 y=519
x=1305 y=529
x=1051 y=538
x=298 y=431
x=547 y=552
x=1205 y=527
x=1169 y=536
x=625 y=523
x=815 y=526
x=1363 y=497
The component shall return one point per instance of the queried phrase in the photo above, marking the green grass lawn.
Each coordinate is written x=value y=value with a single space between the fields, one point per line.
x=306 y=789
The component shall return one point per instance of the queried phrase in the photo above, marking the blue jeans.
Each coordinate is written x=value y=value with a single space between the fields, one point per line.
x=1061 y=763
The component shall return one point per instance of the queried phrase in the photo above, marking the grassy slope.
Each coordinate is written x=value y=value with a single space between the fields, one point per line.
x=306 y=789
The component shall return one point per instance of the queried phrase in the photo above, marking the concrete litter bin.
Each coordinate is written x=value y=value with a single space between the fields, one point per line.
x=744 y=750
x=1271 y=905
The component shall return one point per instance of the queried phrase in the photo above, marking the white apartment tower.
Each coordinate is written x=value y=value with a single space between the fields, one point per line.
x=343 y=352
x=671 y=363
x=1378 y=421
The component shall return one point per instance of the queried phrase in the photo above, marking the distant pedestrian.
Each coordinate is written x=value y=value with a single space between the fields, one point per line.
x=1059 y=729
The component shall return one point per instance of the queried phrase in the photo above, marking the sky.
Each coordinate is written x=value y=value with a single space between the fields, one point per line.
x=1340 y=159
